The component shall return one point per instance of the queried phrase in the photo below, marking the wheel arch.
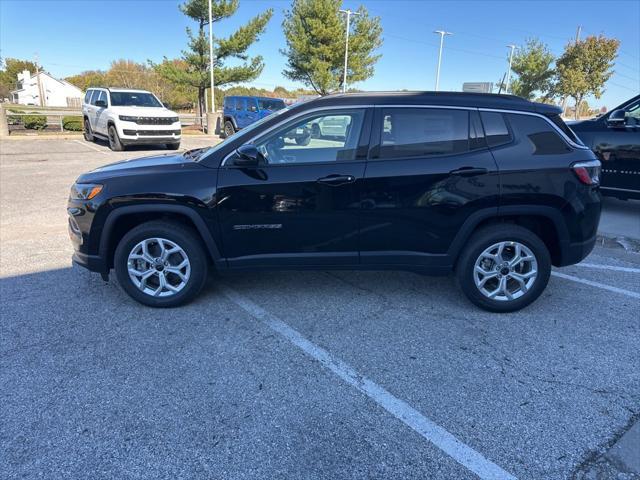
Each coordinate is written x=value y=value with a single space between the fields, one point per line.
x=123 y=219
x=546 y=222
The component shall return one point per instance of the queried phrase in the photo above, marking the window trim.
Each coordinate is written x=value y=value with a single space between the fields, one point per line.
x=366 y=129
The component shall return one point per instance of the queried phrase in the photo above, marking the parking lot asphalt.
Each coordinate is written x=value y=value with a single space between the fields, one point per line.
x=295 y=374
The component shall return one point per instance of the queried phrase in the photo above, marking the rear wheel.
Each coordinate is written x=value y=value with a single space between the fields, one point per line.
x=161 y=264
x=504 y=268
x=114 y=140
x=228 y=129
x=88 y=134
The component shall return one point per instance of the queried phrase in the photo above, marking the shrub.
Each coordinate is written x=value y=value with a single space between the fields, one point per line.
x=72 y=123
x=35 y=122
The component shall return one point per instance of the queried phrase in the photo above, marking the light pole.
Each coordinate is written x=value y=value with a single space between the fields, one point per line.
x=442 y=33
x=346 y=48
x=512 y=47
x=213 y=97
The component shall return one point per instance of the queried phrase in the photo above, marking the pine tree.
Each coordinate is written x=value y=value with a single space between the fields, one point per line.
x=194 y=70
x=315 y=35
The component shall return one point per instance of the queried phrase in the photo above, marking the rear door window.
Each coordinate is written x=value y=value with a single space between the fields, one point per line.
x=495 y=129
x=420 y=132
x=240 y=104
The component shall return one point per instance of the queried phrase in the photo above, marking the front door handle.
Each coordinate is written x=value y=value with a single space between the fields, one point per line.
x=468 y=171
x=336 y=180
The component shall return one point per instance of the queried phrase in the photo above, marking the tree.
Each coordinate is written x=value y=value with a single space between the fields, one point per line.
x=194 y=70
x=584 y=68
x=315 y=35
x=9 y=70
x=532 y=65
x=88 y=79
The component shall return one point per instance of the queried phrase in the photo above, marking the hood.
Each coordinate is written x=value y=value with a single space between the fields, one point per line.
x=144 y=111
x=139 y=166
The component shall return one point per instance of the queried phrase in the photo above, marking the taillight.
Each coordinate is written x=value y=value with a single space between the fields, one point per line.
x=588 y=172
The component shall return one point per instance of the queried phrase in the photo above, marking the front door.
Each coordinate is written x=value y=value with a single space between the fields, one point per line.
x=429 y=170
x=300 y=207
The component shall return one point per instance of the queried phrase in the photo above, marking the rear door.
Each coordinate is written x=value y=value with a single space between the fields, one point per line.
x=429 y=170
x=301 y=206
x=241 y=112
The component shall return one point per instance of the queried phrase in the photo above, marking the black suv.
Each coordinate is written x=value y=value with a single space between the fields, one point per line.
x=492 y=186
x=615 y=139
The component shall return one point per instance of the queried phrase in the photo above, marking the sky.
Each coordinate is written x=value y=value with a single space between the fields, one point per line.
x=70 y=36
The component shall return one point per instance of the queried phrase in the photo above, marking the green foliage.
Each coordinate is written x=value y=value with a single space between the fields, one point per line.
x=34 y=122
x=532 y=63
x=315 y=35
x=585 y=67
x=193 y=69
x=72 y=123
x=9 y=70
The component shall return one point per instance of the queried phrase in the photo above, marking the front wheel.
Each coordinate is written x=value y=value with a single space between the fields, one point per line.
x=504 y=268
x=114 y=140
x=173 y=146
x=161 y=264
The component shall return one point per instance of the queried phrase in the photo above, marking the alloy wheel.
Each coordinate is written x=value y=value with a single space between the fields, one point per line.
x=505 y=271
x=158 y=267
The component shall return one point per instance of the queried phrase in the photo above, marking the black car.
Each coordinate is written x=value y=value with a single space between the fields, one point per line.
x=493 y=187
x=615 y=139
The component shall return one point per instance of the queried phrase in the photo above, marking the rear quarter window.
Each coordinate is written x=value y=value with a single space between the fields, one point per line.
x=542 y=137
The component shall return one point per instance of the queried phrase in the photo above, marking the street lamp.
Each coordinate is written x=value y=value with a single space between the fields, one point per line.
x=346 y=48
x=512 y=47
x=442 y=33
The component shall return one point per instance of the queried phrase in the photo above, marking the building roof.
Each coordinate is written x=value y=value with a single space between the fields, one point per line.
x=454 y=99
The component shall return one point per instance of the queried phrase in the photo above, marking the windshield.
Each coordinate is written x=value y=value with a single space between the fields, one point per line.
x=270 y=104
x=253 y=126
x=134 y=99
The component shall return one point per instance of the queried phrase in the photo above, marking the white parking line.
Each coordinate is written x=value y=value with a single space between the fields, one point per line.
x=602 y=286
x=609 y=267
x=92 y=147
x=441 y=438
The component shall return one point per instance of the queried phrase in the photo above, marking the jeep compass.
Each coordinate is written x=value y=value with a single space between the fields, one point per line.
x=492 y=187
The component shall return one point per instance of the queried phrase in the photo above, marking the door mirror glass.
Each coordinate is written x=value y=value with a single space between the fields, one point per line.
x=616 y=118
x=248 y=155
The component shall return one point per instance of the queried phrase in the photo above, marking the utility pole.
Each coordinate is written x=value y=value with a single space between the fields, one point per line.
x=346 y=47
x=213 y=98
x=578 y=33
x=442 y=33
x=40 y=89
x=506 y=88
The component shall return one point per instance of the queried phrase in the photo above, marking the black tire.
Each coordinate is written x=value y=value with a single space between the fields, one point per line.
x=114 y=140
x=181 y=236
x=229 y=129
x=173 y=146
x=484 y=239
x=88 y=134
x=303 y=141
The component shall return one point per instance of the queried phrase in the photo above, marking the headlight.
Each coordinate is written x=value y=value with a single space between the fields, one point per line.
x=126 y=118
x=85 y=191
x=175 y=119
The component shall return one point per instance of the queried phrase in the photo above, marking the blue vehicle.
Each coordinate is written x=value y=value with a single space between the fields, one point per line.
x=240 y=112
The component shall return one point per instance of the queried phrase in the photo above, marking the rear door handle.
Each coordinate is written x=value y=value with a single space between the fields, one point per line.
x=468 y=171
x=336 y=180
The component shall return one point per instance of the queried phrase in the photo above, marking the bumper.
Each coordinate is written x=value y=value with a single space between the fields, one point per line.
x=93 y=263
x=573 y=253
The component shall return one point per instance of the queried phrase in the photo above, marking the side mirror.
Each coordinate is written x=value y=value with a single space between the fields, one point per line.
x=101 y=103
x=248 y=155
x=616 y=119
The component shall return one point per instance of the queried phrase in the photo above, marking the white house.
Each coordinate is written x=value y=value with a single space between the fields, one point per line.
x=53 y=92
